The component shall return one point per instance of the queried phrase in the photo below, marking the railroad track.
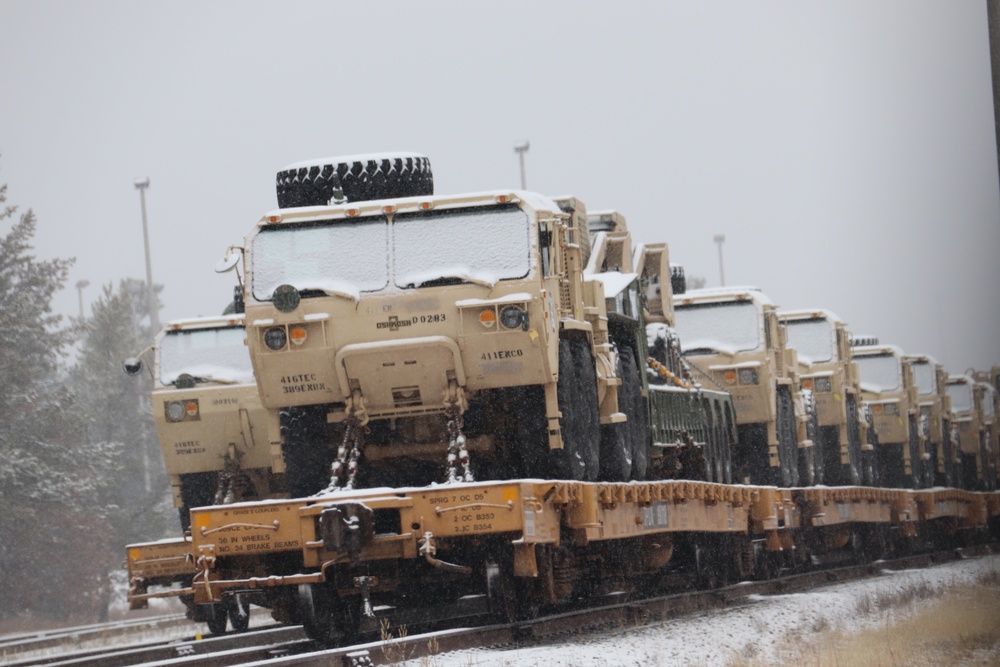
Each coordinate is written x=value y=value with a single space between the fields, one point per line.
x=288 y=646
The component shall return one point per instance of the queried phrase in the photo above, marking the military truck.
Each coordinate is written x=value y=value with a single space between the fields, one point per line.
x=734 y=342
x=210 y=422
x=887 y=386
x=992 y=378
x=457 y=329
x=935 y=419
x=973 y=412
x=822 y=342
x=216 y=448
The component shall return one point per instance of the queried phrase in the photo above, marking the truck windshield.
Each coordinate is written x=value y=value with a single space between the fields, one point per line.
x=212 y=354
x=731 y=326
x=347 y=256
x=923 y=376
x=475 y=244
x=879 y=372
x=812 y=338
x=961 y=396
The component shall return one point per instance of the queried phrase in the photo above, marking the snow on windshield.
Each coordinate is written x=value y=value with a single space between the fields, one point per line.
x=961 y=396
x=219 y=354
x=348 y=257
x=813 y=339
x=731 y=326
x=879 y=372
x=483 y=244
x=923 y=376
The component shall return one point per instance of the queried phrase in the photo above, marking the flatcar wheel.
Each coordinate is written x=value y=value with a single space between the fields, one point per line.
x=500 y=593
x=325 y=617
x=238 y=611
x=217 y=624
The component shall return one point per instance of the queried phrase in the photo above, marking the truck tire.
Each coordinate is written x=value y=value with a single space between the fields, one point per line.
x=638 y=415
x=579 y=424
x=358 y=178
x=308 y=447
x=197 y=490
x=916 y=462
x=853 y=470
x=587 y=412
x=788 y=454
x=615 y=447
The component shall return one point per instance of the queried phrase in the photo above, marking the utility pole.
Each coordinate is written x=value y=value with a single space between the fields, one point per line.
x=720 y=239
x=154 y=320
x=80 y=284
x=521 y=150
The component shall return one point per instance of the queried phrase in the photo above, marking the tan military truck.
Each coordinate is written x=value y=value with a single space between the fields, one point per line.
x=974 y=411
x=734 y=342
x=213 y=435
x=935 y=419
x=992 y=378
x=888 y=388
x=822 y=342
x=458 y=330
x=209 y=419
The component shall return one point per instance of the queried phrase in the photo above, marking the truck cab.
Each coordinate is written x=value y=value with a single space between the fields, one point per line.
x=822 y=343
x=974 y=413
x=456 y=332
x=888 y=388
x=935 y=418
x=211 y=425
x=734 y=342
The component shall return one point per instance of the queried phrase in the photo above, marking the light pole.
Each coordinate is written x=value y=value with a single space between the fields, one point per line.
x=80 y=284
x=521 y=150
x=720 y=239
x=154 y=321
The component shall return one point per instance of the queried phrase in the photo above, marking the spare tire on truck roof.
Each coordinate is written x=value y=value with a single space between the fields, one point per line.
x=354 y=178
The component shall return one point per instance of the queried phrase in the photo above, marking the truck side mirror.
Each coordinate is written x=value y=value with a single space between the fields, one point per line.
x=132 y=366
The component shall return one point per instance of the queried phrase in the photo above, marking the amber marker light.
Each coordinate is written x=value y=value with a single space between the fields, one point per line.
x=877 y=409
x=191 y=408
x=730 y=376
x=297 y=335
x=807 y=384
x=488 y=318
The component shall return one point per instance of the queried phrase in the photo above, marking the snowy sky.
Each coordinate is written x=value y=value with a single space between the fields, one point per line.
x=861 y=130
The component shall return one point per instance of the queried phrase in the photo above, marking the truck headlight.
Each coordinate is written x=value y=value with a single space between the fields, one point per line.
x=174 y=411
x=891 y=409
x=512 y=317
x=275 y=338
x=823 y=384
x=749 y=376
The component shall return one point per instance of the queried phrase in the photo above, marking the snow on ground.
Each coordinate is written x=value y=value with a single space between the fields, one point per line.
x=754 y=632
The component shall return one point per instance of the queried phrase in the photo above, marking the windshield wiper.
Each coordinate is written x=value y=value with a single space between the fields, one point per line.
x=307 y=292
x=186 y=381
x=452 y=280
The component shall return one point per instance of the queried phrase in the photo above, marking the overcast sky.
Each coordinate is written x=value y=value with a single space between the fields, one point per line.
x=846 y=150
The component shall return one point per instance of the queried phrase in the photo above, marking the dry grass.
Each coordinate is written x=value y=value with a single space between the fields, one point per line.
x=919 y=626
